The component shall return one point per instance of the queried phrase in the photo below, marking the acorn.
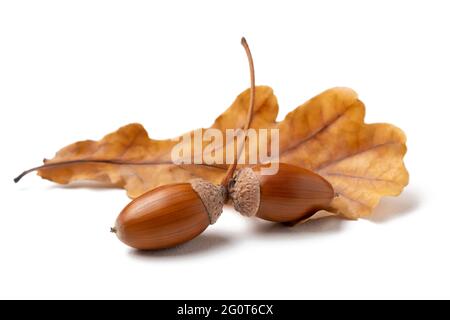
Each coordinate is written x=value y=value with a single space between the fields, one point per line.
x=173 y=214
x=292 y=194
x=170 y=215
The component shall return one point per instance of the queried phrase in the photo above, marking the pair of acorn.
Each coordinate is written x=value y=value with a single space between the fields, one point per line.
x=173 y=214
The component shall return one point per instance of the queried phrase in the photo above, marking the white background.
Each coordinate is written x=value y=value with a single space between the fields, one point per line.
x=74 y=70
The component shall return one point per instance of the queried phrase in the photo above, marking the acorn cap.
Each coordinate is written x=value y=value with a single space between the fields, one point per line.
x=244 y=190
x=212 y=196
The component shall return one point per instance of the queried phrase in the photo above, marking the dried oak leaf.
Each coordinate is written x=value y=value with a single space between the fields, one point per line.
x=327 y=135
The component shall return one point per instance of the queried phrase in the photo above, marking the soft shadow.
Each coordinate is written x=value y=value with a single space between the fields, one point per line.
x=203 y=244
x=395 y=207
x=310 y=228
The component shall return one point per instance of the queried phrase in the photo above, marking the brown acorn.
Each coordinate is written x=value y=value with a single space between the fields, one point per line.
x=176 y=213
x=292 y=194
x=170 y=215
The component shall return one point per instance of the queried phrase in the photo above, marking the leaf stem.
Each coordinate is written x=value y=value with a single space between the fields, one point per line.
x=230 y=170
x=99 y=161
